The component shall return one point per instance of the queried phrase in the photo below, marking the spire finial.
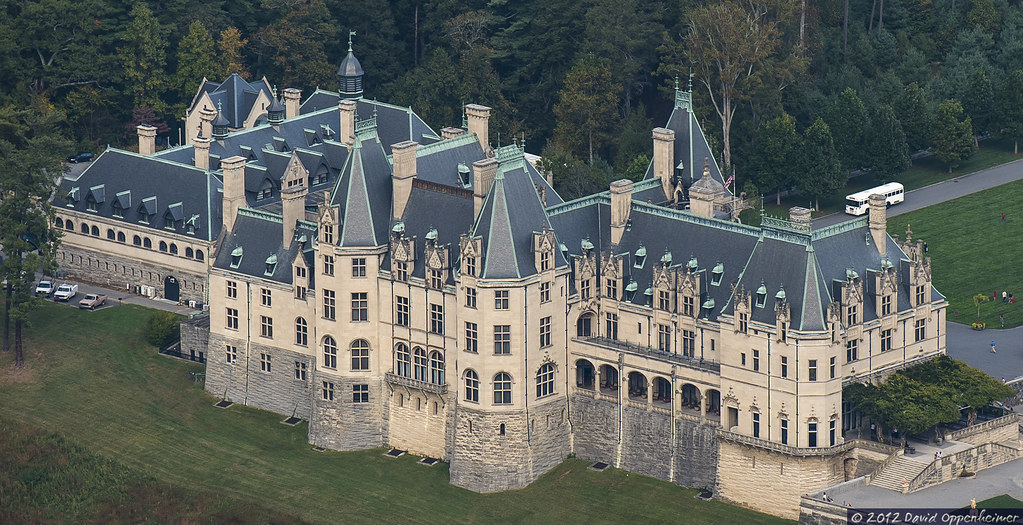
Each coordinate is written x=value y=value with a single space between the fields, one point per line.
x=351 y=33
x=690 y=79
x=676 y=82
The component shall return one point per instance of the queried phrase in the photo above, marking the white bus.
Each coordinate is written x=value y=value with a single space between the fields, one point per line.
x=858 y=203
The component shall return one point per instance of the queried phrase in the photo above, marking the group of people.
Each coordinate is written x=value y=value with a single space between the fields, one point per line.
x=1006 y=297
x=937 y=455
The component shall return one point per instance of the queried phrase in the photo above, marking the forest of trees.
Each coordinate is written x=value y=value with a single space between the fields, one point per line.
x=790 y=92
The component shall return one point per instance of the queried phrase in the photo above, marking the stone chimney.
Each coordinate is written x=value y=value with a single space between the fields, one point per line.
x=292 y=209
x=879 y=222
x=479 y=123
x=201 y=152
x=403 y=172
x=292 y=97
x=206 y=117
x=234 y=188
x=483 y=172
x=347 y=133
x=147 y=139
x=621 y=205
x=664 y=159
x=450 y=133
x=799 y=217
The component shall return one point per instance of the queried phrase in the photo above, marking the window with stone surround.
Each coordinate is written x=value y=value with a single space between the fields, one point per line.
x=402 y=361
x=545 y=380
x=545 y=292
x=471 y=337
x=232 y=318
x=328 y=391
x=756 y=424
x=265 y=296
x=664 y=338
x=360 y=393
x=501 y=300
x=611 y=288
x=301 y=332
x=545 y=332
x=784 y=431
x=851 y=351
x=470 y=266
x=921 y=294
x=401 y=317
x=502 y=339
x=329 y=352
x=756 y=360
x=502 y=389
x=265 y=362
x=437 y=319
x=472 y=386
x=812 y=370
x=360 y=354
x=232 y=354
x=784 y=366
x=436 y=368
x=232 y=290
x=851 y=315
x=301 y=370
x=689 y=343
x=811 y=434
x=611 y=326
x=329 y=304
x=664 y=300
x=886 y=340
x=420 y=364
x=886 y=305
x=920 y=329
x=401 y=271
x=360 y=307
x=470 y=298
x=328 y=265
x=743 y=322
x=436 y=279
x=833 y=366
x=358 y=267
x=584 y=289
x=687 y=306
x=266 y=326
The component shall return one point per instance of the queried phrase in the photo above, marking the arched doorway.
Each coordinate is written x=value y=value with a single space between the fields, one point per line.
x=584 y=374
x=171 y=289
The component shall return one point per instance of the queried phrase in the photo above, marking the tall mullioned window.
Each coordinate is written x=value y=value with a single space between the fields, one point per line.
x=471 y=337
x=328 y=265
x=265 y=361
x=472 y=386
x=359 y=267
x=886 y=305
x=232 y=318
x=584 y=289
x=301 y=332
x=329 y=304
x=545 y=380
x=687 y=306
x=664 y=300
x=664 y=338
x=437 y=319
x=545 y=332
x=470 y=297
x=264 y=295
x=920 y=329
x=886 y=340
x=266 y=326
x=851 y=315
x=421 y=364
x=360 y=354
x=502 y=339
x=921 y=294
x=328 y=391
x=851 y=351
x=501 y=300
x=232 y=290
x=232 y=354
x=401 y=307
x=360 y=393
x=611 y=326
x=545 y=292
x=611 y=288
x=360 y=307
x=301 y=370
x=329 y=352
x=688 y=343
x=402 y=361
x=502 y=389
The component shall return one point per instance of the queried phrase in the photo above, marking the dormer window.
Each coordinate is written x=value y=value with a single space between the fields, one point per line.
x=91 y=205
x=236 y=257
x=328 y=233
x=545 y=261
x=716 y=274
x=322 y=175
x=886 y=305
x=640 y=257
x=470 y=266
x=116 y=209
x=266 y=190
x=72 y=197
x=630 y=290
x=271 y=265
x=761 y=295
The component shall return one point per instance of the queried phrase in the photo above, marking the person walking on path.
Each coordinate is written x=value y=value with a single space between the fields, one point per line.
x=993 y=351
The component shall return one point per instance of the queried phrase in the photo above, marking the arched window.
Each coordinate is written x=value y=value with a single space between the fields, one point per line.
x=502 y=389
x=436 y=368
x=69 y=225
x=199 y=256
x=188 y=252
x=360 y=354
x=120 y=237
x=59 y=223
x=472 y=386
x=85 y=228
x=163 y=246
x=95 y=231
x=111 y=235
x=545 y=380
x=136 y=240
x=402 y=361
x=301 y=332
x=420 y=364
x=174 y=249
x=329 y=352
x=147 y=243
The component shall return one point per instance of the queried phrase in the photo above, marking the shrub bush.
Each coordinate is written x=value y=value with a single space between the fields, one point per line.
x=162 y=328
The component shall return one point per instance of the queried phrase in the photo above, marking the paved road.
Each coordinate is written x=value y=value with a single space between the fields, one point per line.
x=943 y=191
x=974 y=347
x=117 y=297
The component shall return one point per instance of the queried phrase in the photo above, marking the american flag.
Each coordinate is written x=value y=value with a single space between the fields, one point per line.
x=731 y=178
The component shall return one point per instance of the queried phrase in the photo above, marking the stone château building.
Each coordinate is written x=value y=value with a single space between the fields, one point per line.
x=433 y=293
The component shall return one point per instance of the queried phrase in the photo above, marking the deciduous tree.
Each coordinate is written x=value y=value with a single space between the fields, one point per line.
x=229 y=47
x=847 y=118
x=196 y=60
x=774 y=158
x=911 y=110
x=951 y=134
x=888 y=153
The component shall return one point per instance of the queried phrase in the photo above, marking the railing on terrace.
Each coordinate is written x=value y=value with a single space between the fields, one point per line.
x=425 y=386
x=887 y=461
x=987 y=425
x=646 y=351
x=932 y=475
x=801 y=451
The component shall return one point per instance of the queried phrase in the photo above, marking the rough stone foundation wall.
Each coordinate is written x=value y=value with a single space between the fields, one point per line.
x=195 y=335
x=595 y=428
x=770 y=481
x=995 y=431
x=696 y=454
x=244 y=382
x=341 y=423
x=115 y=272
x=224 y=380
x=646 y=442
x=417 y=422
x=484 y=460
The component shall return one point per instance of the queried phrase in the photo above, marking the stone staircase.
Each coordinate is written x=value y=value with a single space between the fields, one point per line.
x=893 y=474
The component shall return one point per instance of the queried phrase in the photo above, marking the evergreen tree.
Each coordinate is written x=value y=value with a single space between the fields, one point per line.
x=951 y=134
x=1010 y=107
x=775 y=155
x=911 y=110
x=586 y=116
x=979 y=101
x=196 y=61
x=848 y=121
x=820 y=170
x=143 y=57
x=888 y=151
x=294 y=45
x=31 y=150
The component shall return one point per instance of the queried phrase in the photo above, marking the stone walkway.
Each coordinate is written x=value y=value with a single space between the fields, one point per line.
x=974 y=347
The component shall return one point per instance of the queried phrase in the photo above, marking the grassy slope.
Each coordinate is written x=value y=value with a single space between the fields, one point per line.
x=925 y=171
x=973 y=251
x=89 y=375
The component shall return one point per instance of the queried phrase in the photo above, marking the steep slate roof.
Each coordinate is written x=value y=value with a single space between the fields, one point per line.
x=258 y=236
x=161 y=184
x=234 y=96
x=364 y=194
x=421 y=216
x=691 y=147
x=394 y=123
x=510 y=215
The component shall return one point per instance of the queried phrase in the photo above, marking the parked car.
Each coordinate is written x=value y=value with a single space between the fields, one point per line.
x=84 y=156
x=92 y=300
x=65 y=292
x=44 y=288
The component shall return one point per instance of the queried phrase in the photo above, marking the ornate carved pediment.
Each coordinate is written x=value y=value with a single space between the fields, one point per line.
x=587 y=265
x=889 y=281
x=610 y=266
x=402 y=249
x=729 y=399
x=688 y=284
x=436 y=257
x=663 y=277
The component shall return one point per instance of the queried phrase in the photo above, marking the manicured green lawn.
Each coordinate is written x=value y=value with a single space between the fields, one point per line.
x=91 y=377
x=1004 y=501
x=973 y=251
x=925 y=171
